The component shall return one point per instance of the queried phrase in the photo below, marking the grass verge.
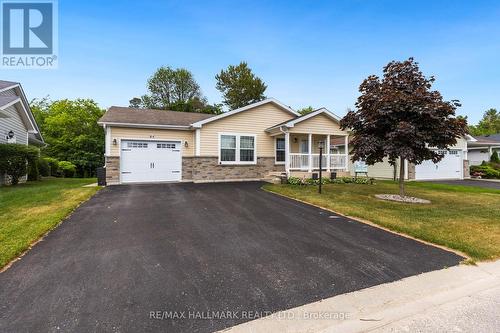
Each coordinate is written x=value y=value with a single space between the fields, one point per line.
x=28 y=211
x=462 y=218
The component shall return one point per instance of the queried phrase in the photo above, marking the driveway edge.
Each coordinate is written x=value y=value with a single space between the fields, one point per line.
x=373 y=308
x=467 y=259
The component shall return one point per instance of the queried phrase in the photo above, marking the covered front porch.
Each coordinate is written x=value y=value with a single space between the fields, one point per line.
x=298 y=143
x=302 y=152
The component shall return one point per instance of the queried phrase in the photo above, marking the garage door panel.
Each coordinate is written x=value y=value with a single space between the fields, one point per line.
x=450 y=167
x=151 y=161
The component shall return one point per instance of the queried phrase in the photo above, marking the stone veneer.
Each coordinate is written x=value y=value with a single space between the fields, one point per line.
x=411 y=171
x=112 y=170
x=206 y=169
x=209 y=169
x=466 y=169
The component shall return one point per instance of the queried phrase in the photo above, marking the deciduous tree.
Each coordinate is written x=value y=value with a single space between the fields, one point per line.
x=400 y=117
x=239 y=86
x=489 y=124
x=71 y=132
x=176 y=90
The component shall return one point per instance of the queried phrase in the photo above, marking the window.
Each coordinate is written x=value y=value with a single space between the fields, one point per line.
x=166 y=145
x=247 y=145
x=280 y=150
x=228 y=148
x=237 y=149
x=137 y=145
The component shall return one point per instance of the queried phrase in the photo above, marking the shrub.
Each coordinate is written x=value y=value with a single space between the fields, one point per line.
x=294 y=181
x=14 y=160
x=485 y=171
x=326 y=180
x=494 y=157
x=43 y=167
x=67 y=169
x=33 y=170
x=53 y=166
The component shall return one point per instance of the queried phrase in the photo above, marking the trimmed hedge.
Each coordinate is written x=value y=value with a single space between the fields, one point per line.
x=15 y=160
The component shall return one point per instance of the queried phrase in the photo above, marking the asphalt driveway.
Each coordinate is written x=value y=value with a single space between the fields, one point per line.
x=194 y=252
x=471 y=182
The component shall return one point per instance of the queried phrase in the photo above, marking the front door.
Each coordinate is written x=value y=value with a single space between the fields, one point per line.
x=304 y=150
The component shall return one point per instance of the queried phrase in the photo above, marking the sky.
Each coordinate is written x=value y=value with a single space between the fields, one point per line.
x=307 y=52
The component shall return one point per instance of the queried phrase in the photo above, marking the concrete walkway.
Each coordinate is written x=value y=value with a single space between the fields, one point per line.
x=462 y=299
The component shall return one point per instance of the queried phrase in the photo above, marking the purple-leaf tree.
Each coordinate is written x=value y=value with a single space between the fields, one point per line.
x=400 y=117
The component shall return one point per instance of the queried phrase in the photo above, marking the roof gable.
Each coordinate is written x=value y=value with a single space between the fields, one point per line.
x=320 y=111
x=20 y=102
x=282 y=106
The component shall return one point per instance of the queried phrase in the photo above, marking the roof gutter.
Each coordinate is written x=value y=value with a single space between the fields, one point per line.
x=177 y=127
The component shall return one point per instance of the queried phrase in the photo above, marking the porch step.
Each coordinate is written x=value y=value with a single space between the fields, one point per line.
x=274 y=177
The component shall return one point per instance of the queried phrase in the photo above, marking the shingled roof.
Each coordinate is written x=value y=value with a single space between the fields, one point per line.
x=124 y=115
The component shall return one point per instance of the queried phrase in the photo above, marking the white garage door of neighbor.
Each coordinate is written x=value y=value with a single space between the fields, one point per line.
x=450 y=167
x=150 y=161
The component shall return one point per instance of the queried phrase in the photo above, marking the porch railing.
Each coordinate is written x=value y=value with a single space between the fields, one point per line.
x=301 y=161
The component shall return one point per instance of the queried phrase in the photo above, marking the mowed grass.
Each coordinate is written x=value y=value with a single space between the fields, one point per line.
x=463 y=218
x=28 y=211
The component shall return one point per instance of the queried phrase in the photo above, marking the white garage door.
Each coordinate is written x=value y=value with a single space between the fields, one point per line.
x=150 y=161
x=450 y=167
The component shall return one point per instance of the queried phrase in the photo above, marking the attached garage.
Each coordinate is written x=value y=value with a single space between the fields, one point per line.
x=150 y=161
x=450 y=167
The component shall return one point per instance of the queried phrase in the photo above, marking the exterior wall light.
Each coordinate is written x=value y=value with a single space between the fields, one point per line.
x=10 y=135
x=114 y=142
x=186 y=144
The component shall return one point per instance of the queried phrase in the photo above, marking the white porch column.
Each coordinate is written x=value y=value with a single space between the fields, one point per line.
x=287 y=153
x=328 y=153
x=346 y=143
x=309 y=142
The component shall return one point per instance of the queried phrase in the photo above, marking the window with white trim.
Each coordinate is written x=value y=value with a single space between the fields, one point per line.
x=237 y=149
x=280 y=150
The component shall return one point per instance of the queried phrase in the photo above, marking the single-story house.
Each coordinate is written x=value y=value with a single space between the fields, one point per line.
x=17 y=123
x=482 y=147
x=454 y=165
x=258 y=141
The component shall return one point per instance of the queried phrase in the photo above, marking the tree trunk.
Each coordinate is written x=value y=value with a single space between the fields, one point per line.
x=402 y=177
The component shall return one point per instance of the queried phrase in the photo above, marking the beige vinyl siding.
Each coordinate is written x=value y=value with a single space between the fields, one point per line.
x=13 y=123
x=379 y=170
x=319 y=124
x=253 y=121
x=120 y=133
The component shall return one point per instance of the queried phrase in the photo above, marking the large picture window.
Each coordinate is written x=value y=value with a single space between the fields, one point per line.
x=280 y=150
x=237 y=149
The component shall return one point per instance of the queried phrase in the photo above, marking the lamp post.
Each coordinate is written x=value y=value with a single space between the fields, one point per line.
x=320 y=146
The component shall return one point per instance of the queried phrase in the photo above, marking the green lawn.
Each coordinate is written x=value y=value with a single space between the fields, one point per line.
x=28 y=211
x=463 y=218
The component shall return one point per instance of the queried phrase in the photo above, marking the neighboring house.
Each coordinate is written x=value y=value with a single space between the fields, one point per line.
x=481 y=147
x=257 y=141
x=17 y=123
x=454 y=165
